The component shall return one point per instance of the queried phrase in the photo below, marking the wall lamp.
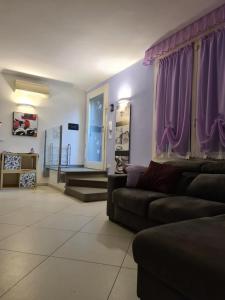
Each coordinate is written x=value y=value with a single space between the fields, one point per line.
x=123 y=102
x=26 y=108
x=26 y=104
x=27 y=93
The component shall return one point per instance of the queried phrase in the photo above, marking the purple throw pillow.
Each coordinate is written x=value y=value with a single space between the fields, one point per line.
x=160 y=178
x=133 y=174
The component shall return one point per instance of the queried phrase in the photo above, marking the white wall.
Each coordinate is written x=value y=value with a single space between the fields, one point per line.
x=65 y=104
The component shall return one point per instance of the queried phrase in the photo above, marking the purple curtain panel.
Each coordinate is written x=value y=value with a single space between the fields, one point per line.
x=173 y=101
x=189 y=32
x=211 y=93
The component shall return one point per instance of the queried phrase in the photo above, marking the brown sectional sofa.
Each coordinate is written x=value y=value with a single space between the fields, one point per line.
x=139 y=209
x=184 y=257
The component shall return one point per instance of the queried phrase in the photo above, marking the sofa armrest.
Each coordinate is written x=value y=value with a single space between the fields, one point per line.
x=115 y=181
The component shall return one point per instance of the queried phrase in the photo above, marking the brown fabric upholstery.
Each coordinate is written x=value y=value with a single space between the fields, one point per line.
x=139 y=202
x=174 y=209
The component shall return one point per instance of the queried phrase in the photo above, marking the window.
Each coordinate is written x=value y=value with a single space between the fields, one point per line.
x=213 y=132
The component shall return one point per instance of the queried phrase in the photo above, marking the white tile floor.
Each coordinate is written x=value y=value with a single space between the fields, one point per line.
x=53 y=247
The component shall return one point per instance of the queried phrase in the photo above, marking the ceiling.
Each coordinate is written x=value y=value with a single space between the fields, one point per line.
x=87 y=41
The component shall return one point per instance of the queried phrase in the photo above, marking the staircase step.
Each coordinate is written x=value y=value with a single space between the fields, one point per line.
x=84 y=171
x=96 y=182
x=86 y=194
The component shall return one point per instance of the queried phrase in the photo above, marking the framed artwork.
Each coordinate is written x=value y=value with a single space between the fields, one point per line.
x=122 y=142
x=25 y=124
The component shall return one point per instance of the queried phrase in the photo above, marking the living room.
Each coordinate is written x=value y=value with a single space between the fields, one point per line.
x=112 y=150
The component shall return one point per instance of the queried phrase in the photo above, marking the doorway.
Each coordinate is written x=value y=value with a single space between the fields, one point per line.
x=96 y=129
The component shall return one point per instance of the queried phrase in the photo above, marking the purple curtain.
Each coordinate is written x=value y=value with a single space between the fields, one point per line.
x=173 y=101
x=189 y=32
x=211 y=93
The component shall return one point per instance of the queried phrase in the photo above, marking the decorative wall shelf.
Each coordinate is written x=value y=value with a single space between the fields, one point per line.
x=18 y=170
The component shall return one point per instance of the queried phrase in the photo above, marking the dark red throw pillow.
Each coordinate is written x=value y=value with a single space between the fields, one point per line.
x=160 y=178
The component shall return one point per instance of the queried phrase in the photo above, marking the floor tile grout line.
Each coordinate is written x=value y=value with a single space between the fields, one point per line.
x=38 y=221
x=22 y=252
x=8 y=236
x=121 y=266
x=75 y=233
x=46 y=257
x=72 y=236
x=51 y=255
x=114 y=282
x=69 y=258
x=16 y=283
x=105 y=234
x=35 y=210
x=85 y=261
x=78 y=231
x=51 y=228
x=28 y=225
x=99 y=263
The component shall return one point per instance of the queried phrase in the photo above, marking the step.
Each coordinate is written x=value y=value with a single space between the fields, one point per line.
x=96 y=181
x=83 y=171
x=86 y=194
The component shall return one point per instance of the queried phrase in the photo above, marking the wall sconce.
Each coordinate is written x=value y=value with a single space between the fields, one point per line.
x=26 y=104
x=26 y=108
x=123 y=102
x=125 y=91
x=29 y=94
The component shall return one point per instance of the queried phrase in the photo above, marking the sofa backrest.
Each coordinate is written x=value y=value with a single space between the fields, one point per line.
x=208 y=186
x=199 y=165
x=187 y=165
x=213 y=167
x=184 y=181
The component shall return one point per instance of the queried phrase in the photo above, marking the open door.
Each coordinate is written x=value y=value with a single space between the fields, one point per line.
x=95 y=150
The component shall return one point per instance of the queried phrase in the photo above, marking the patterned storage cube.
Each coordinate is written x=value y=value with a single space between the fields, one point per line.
x=12 y=162
x=28 y=180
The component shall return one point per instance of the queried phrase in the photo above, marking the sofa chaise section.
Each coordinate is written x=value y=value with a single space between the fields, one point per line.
x=182 y=261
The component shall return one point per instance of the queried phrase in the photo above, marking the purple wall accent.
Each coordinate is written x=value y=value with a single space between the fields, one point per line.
x=140 y=80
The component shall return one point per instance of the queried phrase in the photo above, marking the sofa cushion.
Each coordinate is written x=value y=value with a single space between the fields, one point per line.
x=184 y=181
x=188 y=256
x=187 y=165
x=174 y=209
x=160 y=178
x=214 y=167
x=133 y=174
x=135 y=200
x=208 y=186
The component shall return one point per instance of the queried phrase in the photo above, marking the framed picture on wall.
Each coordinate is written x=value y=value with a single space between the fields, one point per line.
x=25 y=124
x=122 y=142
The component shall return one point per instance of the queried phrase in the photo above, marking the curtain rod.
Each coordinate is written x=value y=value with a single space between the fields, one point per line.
x=196 y=39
